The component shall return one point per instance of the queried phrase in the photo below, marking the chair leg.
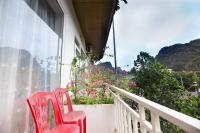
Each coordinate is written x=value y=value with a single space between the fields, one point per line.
x=84 y=123
x=80 y=123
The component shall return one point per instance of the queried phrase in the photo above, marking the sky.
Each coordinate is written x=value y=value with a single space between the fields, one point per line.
x=149 y=25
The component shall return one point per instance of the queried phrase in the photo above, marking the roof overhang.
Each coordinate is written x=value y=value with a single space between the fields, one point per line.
x=95 y=18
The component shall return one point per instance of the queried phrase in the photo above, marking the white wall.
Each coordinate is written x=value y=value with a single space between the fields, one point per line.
x=99 y=118
x=71 y=31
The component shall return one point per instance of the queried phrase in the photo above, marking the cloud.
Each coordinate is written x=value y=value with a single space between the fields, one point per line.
x=148 y=25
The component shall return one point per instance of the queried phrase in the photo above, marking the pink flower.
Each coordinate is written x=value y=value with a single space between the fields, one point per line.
x=132 y=84
x=83 y=92
x=93 y=94
x=70 y=84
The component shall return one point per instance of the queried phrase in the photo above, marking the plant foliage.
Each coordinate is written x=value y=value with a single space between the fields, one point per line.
x=159 y=84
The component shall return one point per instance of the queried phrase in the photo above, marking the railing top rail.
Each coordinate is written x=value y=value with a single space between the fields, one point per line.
x=185 y=122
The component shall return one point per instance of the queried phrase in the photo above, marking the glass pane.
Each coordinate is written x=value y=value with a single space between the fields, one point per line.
x=28 y=62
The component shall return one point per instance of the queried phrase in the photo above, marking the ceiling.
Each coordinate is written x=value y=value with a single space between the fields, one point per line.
x=95 y=18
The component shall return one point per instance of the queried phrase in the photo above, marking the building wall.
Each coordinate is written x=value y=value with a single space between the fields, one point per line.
x=71 y=32
x=30 y=52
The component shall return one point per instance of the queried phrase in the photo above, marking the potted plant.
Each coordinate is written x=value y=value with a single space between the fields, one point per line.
x=90 y=95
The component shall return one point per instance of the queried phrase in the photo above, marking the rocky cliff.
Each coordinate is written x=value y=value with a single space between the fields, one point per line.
x=181 y=57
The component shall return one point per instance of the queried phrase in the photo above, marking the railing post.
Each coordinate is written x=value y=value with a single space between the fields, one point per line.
x=142 y=118
x=135 y=125
x=122 y=118
x=119 y=114
x=129 y=123
x=155 y=121
x=183 y=121
x=125 y=121
x=116 y=114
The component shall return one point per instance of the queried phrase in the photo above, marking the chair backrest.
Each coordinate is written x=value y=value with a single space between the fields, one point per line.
x=59 y=94
x=38 y=104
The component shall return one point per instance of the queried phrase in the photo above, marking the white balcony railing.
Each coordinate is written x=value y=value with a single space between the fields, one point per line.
x=127 y=119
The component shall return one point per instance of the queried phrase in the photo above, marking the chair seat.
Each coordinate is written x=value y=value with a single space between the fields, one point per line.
x=63 y=128
x=74 y=116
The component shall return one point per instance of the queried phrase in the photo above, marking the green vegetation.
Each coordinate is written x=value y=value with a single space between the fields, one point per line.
x=159 y=84
x=87 y=84
x=148 y=79
x=117 y=7
x=191 y=106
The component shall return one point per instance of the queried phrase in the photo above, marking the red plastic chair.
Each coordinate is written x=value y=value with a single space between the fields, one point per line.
x=71 y=117
x=38 y=104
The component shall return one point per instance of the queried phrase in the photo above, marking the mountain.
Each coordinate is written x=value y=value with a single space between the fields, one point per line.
x=181 y=57
x=109 y=66
x=106 y=65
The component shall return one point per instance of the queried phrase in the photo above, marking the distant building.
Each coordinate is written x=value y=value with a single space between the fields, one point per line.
x=194 y=88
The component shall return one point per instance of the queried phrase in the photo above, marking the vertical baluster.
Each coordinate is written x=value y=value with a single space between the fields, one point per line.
x=129 y=123
x=135 y=125
x=125 y=121
x=118 y=116
x=115 y=112
x=155 y=121
x=142 y=117
x=115 y=103
x=122 y=118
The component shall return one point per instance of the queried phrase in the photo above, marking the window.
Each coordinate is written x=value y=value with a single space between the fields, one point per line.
x=77 y=48
x=43 y=9
x=30 y=45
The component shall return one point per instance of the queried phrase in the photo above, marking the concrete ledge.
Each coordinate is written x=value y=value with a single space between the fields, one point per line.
x=100 y=117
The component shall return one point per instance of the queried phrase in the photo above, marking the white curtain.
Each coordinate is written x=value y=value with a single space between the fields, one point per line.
x=28 y=61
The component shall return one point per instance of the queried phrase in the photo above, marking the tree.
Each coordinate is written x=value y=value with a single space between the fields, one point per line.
x=133 y=71
x=142 y=59
x=157 y=83
x=118 y=5
x=187 y=78
x=191 y=106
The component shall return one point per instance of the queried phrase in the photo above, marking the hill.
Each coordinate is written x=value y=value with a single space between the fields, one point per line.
x=108 y=65
x=181 y=57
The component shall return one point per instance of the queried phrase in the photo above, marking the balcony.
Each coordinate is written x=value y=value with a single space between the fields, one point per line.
x=121 y=118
